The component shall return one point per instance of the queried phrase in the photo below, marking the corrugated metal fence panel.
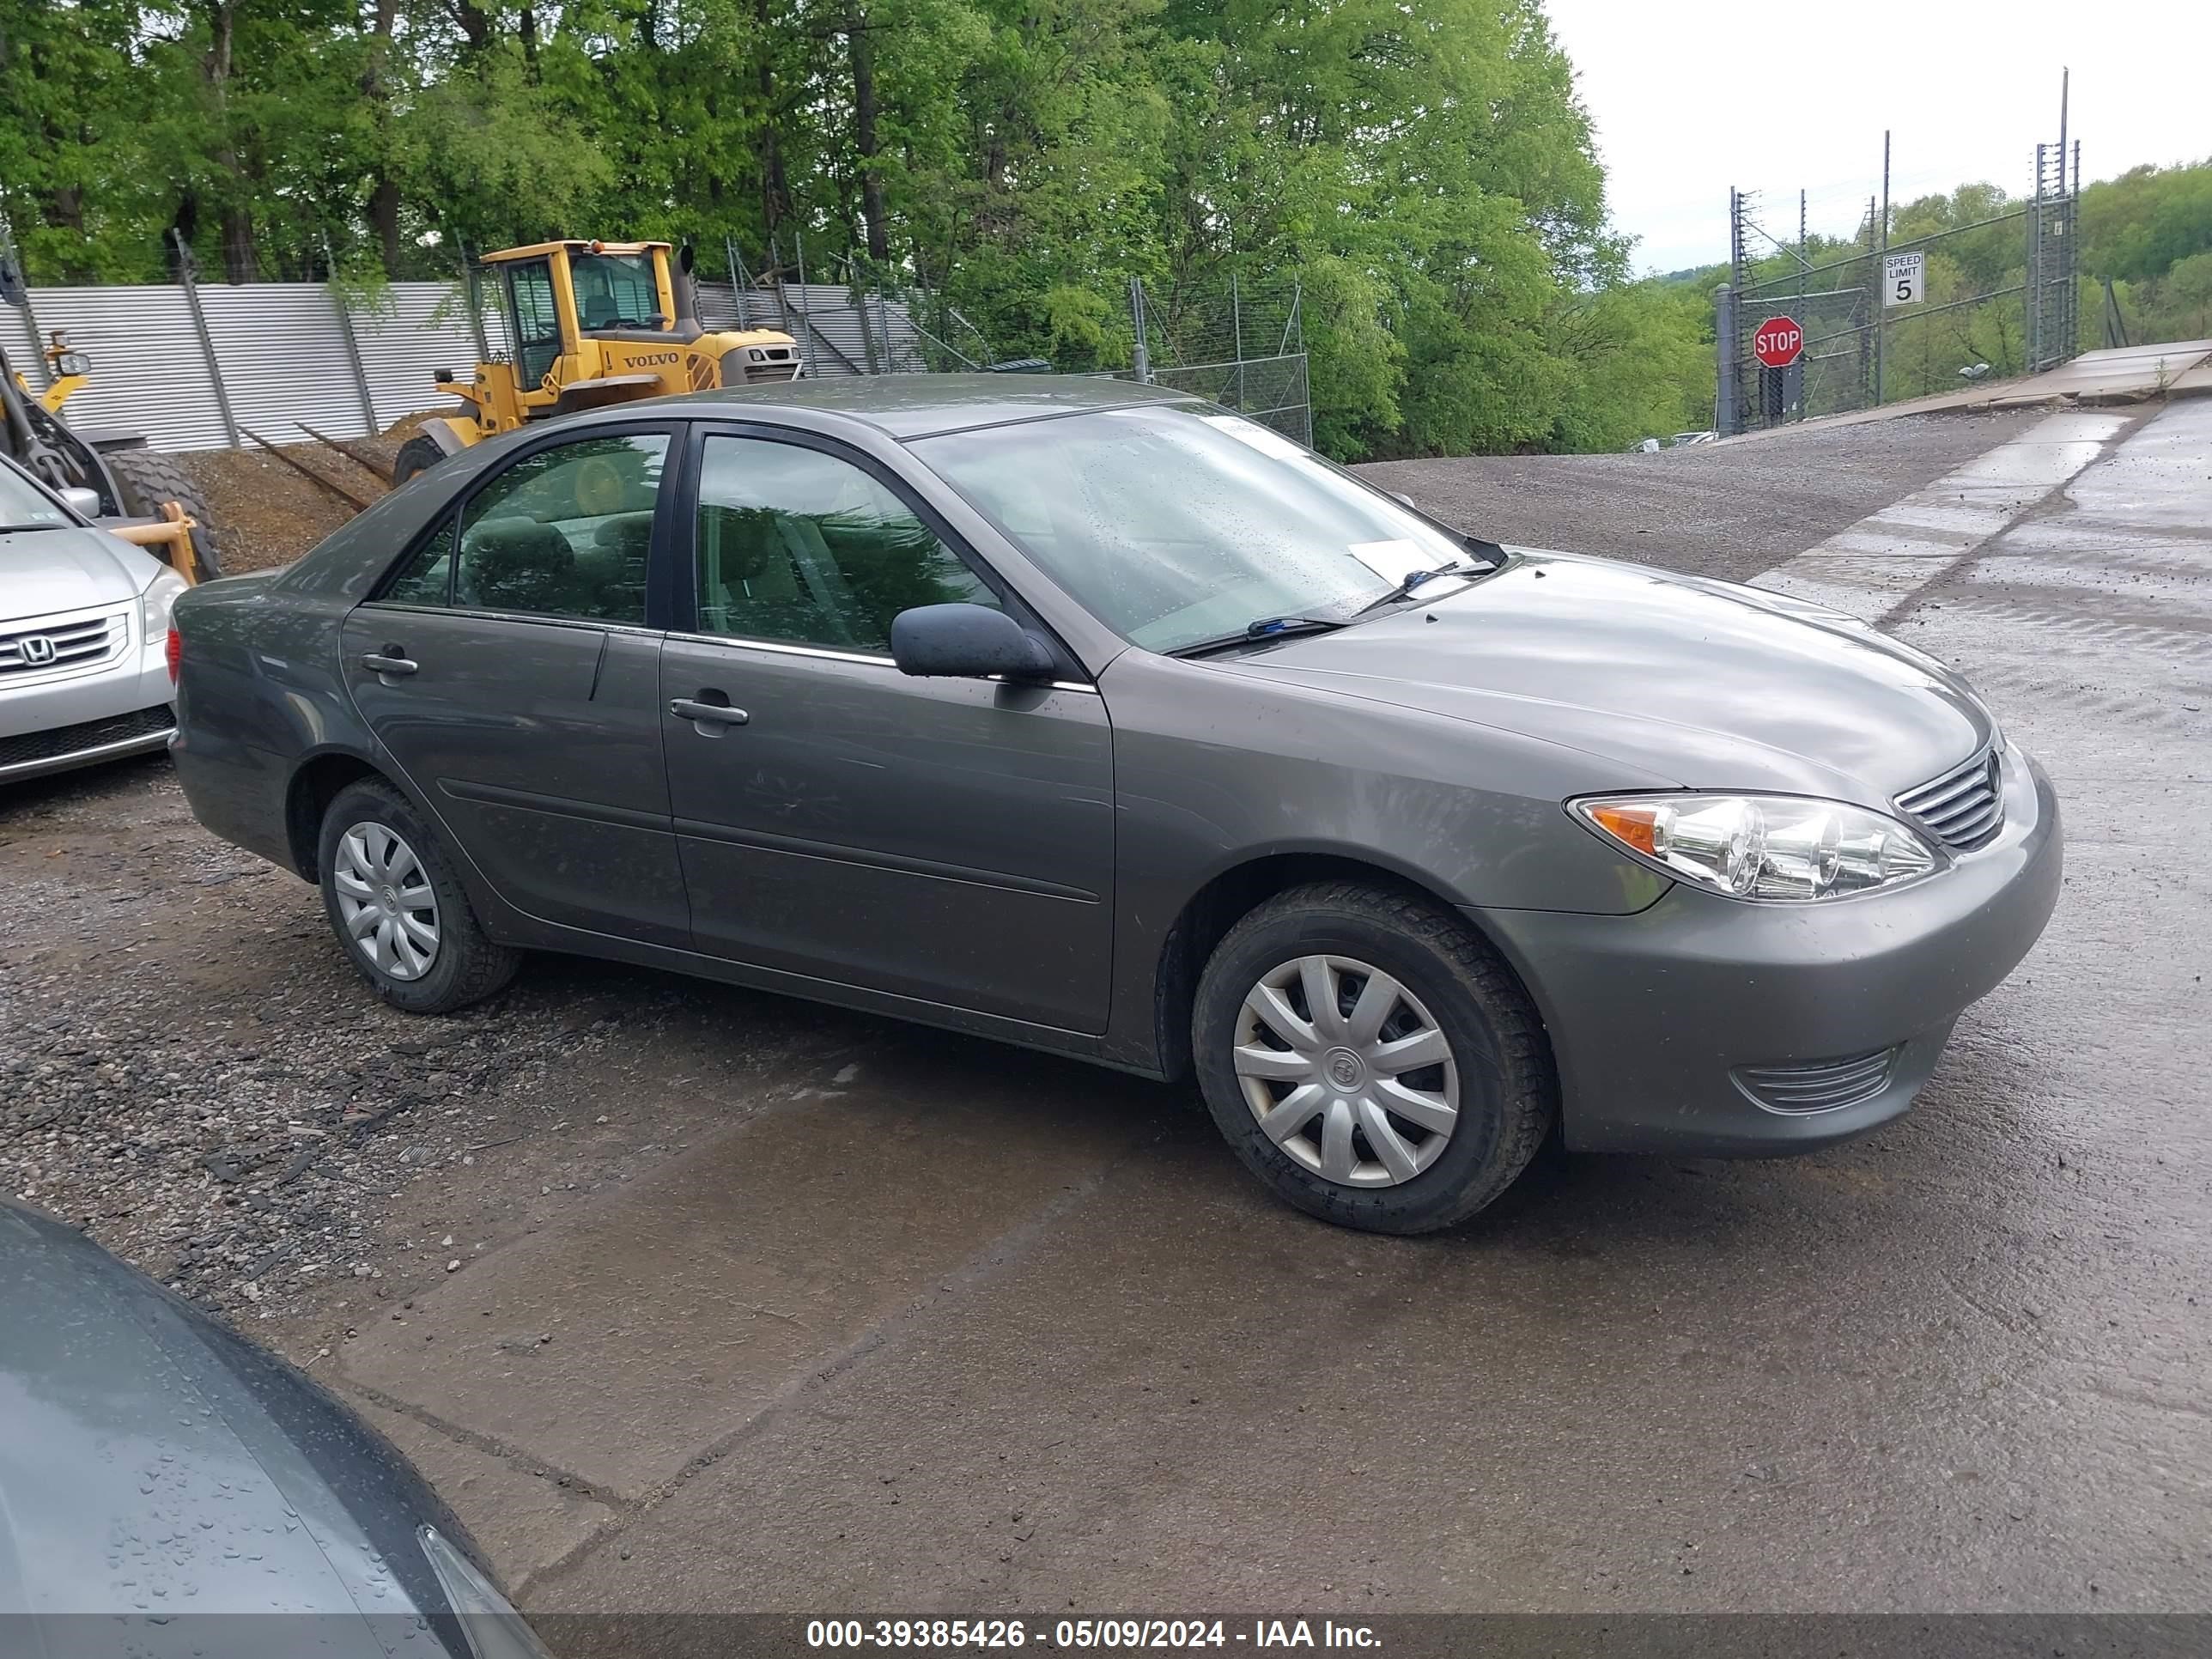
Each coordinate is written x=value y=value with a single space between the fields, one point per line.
x=416 y=330
x=149 y=374
x=719 y=304
x=824 y=320
x=283 y=360
x=283 y=356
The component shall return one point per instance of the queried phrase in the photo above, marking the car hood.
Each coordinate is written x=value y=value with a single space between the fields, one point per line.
x=157 y=1472
x=1710 y=684
x=71 y=569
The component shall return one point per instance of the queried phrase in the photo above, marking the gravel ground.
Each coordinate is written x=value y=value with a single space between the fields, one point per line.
x=1729 y=510
x=190 y=1069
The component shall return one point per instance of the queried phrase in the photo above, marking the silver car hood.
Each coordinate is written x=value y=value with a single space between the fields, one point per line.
x=69 y=569
x=1708 y=684
x=157 y=1472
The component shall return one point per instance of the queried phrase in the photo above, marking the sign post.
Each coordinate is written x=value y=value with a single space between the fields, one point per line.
x=1903 y=278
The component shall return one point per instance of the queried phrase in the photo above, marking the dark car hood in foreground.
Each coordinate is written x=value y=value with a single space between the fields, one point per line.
x=1710 y=685
x=156 y=1467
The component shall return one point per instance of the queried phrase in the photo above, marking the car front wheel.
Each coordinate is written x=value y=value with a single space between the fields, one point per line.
x=399 y=912
x=1370 y=1058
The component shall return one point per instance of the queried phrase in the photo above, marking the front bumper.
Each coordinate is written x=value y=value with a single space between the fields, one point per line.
x=1710 y=1026
x=81 y=712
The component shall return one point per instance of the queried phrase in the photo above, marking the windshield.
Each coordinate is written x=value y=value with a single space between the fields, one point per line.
x=1174 y=525
x=24 y=506
x=615 y=291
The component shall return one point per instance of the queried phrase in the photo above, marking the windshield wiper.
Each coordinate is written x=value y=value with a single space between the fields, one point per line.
x=12 y=529
x=1478 y=564
x=1267 y=627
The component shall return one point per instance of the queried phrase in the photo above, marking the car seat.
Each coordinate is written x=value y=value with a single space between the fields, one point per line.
x=519 y=564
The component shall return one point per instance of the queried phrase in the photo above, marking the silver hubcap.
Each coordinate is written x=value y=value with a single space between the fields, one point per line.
x=385 y=902
x=1346 y=1071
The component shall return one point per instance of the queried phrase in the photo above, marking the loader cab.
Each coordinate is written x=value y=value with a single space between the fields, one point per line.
x=558 y=294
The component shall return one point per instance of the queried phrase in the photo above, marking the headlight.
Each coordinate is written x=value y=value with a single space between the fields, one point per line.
x=73 y=363
x=493 y=1628
x=1763 y=847
x=153 y=605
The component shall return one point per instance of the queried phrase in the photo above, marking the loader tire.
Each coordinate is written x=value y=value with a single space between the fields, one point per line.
x=416 y=456
x=146 y=479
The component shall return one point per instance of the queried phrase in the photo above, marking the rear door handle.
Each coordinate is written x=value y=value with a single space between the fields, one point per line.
x=705 y=714
x=389 y=664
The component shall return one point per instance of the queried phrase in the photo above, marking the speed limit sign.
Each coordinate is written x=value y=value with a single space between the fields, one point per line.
x=1903 y=278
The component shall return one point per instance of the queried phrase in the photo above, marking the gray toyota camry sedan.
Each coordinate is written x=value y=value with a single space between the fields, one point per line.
x=1096 y=719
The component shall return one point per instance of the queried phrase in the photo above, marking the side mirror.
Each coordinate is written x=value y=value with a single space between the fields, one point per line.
x=12 y=292
x=85 y=503
x=687 y=259
x=966 y=641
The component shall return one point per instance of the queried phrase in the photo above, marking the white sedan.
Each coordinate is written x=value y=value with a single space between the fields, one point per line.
x=87 y=659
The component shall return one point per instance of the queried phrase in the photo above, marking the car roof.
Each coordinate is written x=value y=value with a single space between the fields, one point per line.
x=905 y=406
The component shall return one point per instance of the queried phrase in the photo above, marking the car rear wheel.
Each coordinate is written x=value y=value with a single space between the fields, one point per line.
x=399 y=914
x=1370 y=1058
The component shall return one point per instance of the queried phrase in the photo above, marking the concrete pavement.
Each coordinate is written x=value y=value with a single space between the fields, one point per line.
x=937 y=1327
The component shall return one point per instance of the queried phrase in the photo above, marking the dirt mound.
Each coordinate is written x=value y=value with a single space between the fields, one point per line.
x=267 y=513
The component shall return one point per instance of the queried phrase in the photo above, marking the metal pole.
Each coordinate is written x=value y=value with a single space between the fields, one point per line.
x=207 y=340
x=782 y=291
x=472 y=301
x=1142 y=359
x=352 y=343
x=1803 y=265
x=1724 y=420
x=2031 y=307
x=2065 y=77
x=856 y=295
x=1236 y=322
x=737 y=290
x=1881 y=312
x=1873 y=292
x=805 y=315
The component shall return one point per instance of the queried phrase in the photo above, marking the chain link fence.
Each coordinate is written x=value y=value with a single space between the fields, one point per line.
x=1243 y=346
x=1946 y=291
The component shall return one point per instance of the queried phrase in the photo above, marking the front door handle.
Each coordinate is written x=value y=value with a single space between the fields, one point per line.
x=707 y=718
x=390 y=664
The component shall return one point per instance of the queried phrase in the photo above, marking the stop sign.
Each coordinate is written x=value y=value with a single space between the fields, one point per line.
x=1779 y=341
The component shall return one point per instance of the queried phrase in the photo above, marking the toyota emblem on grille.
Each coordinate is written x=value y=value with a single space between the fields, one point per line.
x=36 y=648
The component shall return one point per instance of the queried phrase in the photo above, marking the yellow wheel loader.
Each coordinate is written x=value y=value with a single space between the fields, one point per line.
x=135 y=492
x=590 y=324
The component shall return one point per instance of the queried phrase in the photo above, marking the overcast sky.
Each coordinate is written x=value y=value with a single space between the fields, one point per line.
x=1690 y=99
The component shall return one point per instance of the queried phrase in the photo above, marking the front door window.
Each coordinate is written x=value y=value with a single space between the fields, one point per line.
x=800 y=546
x=537 y=320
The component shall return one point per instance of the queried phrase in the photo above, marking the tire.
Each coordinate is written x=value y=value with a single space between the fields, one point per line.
x=463 y=964
x=416 y=456
x=145 y=479
x=1442 y=988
